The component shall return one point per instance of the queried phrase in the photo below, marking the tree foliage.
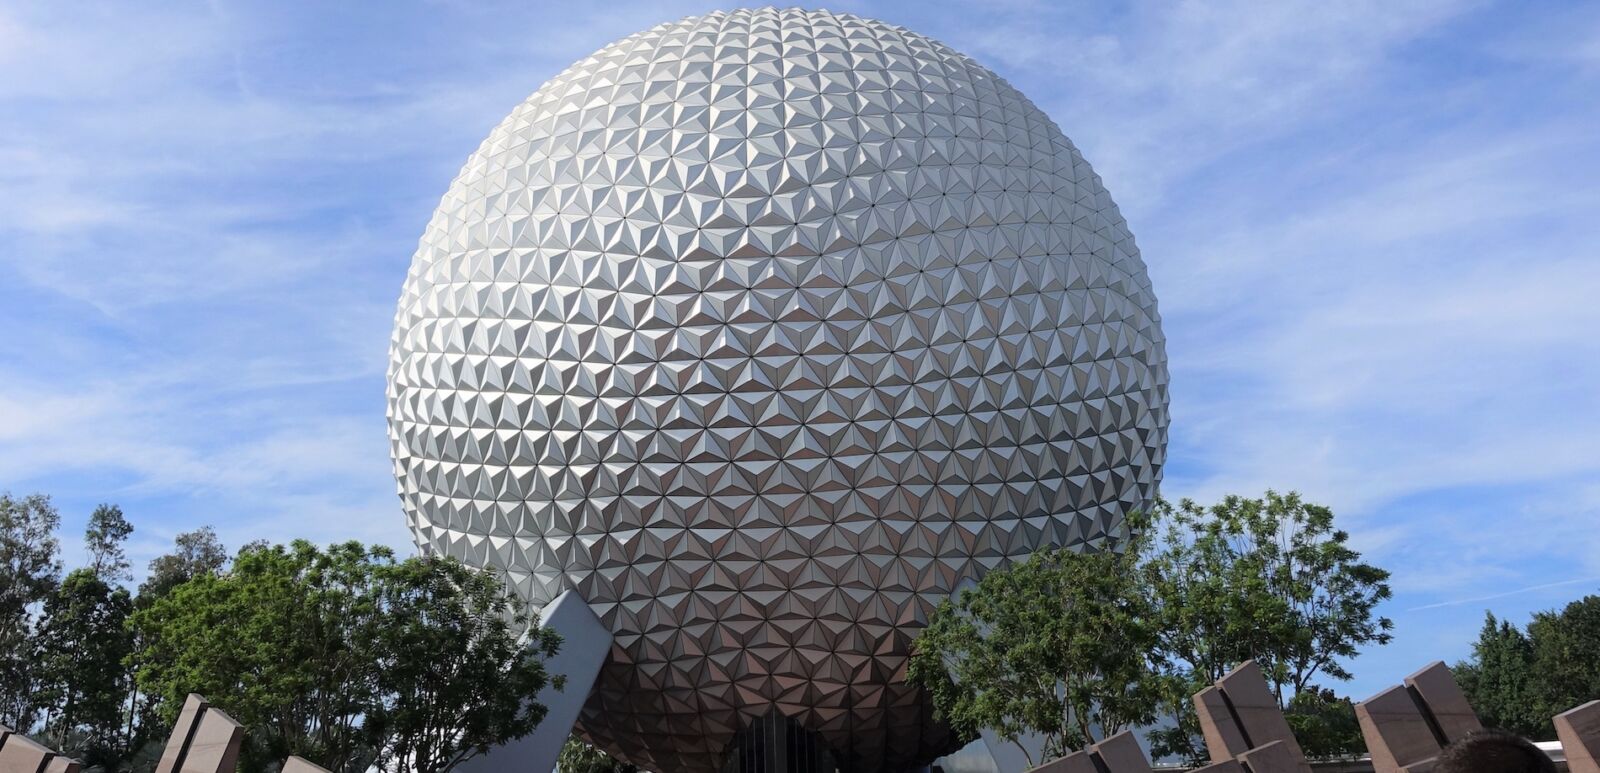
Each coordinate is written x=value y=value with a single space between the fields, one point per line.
x=1499 y=681
x=104 y=539
x=346 y=657
x=1059 y=645
x=351 y=658
x=29 y=572
x=193 y=553
x=1518 y=680
x=452 y=677
x=1566 y=655
x=278 y=642
x=1066 y=645
x=342 y=655
x=580 y=757
x=1269 y=579
x=83 y=641
x=1324 y=724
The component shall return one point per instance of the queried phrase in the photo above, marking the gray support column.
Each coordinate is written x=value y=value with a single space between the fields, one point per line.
x=585 y=643
x=1007 y=757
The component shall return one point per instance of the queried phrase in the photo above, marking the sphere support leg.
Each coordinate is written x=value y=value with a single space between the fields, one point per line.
x=585 y=643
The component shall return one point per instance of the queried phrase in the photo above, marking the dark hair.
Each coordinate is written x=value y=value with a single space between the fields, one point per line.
x=1493 y=751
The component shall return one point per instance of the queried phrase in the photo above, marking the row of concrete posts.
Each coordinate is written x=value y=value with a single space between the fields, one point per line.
x=204 y=740
x=1405 y=727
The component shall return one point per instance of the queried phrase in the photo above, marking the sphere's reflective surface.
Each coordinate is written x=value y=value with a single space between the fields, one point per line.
x=764 y=330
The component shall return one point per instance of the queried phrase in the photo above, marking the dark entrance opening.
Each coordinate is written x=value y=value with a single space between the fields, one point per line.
x=778 y=744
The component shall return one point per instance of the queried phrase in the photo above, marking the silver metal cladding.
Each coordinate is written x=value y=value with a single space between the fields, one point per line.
x=762 y=331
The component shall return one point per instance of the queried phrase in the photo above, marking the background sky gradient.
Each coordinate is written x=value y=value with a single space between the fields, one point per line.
x=1374 y=229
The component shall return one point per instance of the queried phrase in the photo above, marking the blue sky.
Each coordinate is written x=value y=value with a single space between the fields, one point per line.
x=1374 y=229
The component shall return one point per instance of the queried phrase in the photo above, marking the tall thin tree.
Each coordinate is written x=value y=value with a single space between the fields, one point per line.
x=107 y=533
x=29 y=571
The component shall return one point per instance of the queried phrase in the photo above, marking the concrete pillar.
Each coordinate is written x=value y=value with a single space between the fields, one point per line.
x=585 y=643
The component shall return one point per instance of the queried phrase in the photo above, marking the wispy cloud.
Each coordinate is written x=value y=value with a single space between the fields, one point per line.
x=1506 y=594
x=1158 y=91
x=208 y=210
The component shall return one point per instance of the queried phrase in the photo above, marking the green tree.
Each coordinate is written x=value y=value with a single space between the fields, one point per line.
x=1325 y=724
x=580 y=757
x=29 y=573
x=1518 y=680
x=280 y=642
x=1500 y=682
x=104 y=538
x=1566 y=657
x=346 y=657
x=83 y=640
x=1269 y=579
x=193 y=553
x=1059 y=645
x=454 y=679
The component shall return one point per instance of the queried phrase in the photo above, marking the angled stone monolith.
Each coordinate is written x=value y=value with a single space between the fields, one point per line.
x=1121 y=754
x=22 y=754
x=60 y=764
x=1076 y=762
x=1451 y=712
x=1396 y=731
x=215 y=745
x=1275 y=757
x=302 y=765
x=1223 y=739
x=182 y=732
x=1260 y=717
x=1578 y=730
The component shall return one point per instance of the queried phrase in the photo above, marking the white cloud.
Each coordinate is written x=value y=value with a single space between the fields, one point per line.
x=207 y=238
x=1383 y=342
x=1160 y=91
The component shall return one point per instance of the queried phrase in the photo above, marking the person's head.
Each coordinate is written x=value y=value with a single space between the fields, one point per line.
x=1493 y=751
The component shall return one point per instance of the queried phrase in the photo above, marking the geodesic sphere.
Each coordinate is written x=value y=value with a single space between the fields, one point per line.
x=764 y=331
